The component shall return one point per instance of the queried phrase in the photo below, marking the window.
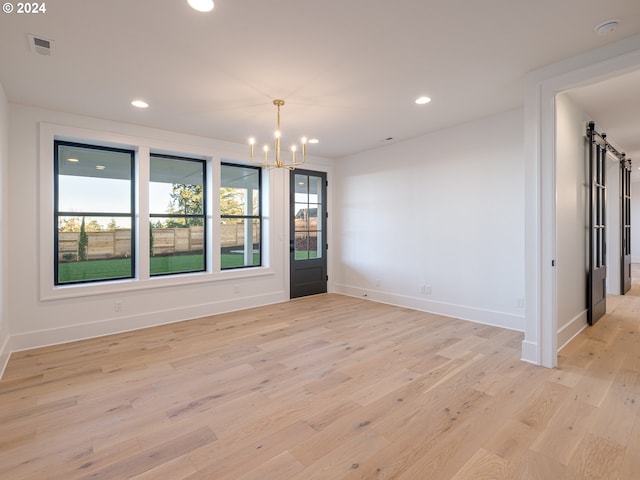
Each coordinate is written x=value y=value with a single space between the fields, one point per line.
x=121 y=213
x=308 y=207
x=177 y=231
x=240 y=216
x=93 y=213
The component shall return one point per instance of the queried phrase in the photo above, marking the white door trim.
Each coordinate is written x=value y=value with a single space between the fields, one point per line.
x=540 y=343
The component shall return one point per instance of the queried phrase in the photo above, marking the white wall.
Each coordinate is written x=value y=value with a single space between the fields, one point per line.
x=4 y=209
x=572 y=218
x=443 y=210
x=35 y=321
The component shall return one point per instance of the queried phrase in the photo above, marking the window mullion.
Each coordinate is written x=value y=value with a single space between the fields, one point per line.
x=142 y=213
x=214 y=263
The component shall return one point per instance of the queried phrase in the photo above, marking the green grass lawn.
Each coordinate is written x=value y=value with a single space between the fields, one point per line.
x=304 y=255
x=94 y=270
x=121 y=267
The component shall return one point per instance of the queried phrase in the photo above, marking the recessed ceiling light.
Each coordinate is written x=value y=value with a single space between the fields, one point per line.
x=100 y=167
x=422 y=100
x=314 y=140
x=139 y=104
x=607 y=26
x=201 y=5
x=72 y=160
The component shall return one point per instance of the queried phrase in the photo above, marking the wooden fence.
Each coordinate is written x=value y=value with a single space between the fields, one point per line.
x=166 y=241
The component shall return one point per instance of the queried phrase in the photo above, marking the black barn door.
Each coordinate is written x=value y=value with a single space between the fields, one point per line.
x=625 y=210
x=597 y=282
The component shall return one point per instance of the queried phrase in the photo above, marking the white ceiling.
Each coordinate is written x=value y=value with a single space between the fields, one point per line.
x=615 y=104
x=349 y=70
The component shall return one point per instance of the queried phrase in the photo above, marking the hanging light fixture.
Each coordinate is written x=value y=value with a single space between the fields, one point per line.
x=266 y=162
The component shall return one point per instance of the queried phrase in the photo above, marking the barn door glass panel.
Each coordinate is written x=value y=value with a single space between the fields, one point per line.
x=177 y=230
x=93 y=213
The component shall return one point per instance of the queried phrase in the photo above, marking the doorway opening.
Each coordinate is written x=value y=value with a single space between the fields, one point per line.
x=540 y=345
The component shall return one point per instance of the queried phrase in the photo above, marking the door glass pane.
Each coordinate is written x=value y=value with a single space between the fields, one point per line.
x=315 y=190
x=308 y=213
x=302 y=217
x=302 y=188
x=302 y=246
x=313 y=218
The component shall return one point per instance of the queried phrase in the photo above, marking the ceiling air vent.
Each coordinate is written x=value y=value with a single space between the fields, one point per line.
x=40 y=45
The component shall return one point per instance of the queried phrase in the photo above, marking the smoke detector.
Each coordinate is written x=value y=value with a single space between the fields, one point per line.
x=607 y=26
x=40 y=45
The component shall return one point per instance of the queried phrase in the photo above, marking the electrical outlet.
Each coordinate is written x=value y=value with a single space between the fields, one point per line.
x=377 y=282
x=520 y=302
x=425 y=289
x=117 y=306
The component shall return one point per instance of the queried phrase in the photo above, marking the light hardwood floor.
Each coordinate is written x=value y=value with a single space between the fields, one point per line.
x=326 y=387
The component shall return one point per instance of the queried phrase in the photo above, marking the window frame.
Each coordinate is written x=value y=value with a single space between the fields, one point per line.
x=203 y=215
x=57 y=213
x=209 y=150
x=258 y=217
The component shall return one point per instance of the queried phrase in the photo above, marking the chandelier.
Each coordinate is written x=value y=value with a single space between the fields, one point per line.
x=266 y=162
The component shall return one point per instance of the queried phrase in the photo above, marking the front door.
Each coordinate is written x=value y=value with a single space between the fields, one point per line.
x=625 y=210
x=308 y=237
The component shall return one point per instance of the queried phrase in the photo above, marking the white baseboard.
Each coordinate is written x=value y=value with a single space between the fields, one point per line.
x=55 y=336
x=478 y=315
x=5 y=353
x=571 y=329
x=530 y=352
